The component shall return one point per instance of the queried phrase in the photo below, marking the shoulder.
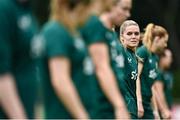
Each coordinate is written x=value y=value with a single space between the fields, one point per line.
x=142 y=49
x=53 y=29
x=142 y=53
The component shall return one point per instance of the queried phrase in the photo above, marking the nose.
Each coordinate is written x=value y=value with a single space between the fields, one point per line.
x=133 y=35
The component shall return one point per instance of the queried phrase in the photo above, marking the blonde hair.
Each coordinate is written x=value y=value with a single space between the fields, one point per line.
x=151 y=31
x=125 y=24
x=60 y=10
x=101 y=6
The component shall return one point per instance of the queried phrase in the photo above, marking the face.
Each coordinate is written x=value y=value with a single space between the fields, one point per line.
x=131 y=36
x=121 y=11
x=167 y=59
x=160 y=43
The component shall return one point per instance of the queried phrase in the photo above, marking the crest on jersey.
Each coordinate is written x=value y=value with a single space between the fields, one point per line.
x=24 y=22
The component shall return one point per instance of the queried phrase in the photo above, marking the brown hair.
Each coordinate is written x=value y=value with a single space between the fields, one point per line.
x=151 y=31
x=60 y=10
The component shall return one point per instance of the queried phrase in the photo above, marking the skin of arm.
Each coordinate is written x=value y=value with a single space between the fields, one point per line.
x=9 y=99
x=138 y=91
x=154 y=103
x=61 y=80
x=107 y=78
x=161 y=101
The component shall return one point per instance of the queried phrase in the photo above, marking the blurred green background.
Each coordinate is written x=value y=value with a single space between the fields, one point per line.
x=161 y=12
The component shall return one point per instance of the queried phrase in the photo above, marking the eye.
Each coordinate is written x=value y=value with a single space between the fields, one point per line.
x=129 y=33
x=136 y=33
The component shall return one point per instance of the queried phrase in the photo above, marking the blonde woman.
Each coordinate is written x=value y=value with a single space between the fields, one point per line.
x=154 y=41
x=66 y=69
x=107 y=56
x=130 y=37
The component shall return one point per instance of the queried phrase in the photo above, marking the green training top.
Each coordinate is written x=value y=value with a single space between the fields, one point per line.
x=59 y=42
x=17 y=30
x=95 y=32
x=166 y=78
x=149 y=71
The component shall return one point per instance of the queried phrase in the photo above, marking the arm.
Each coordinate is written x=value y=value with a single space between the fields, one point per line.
x=161 y=101
x=9 y=99
x=154 y=103
x=107 y=80
x=138 y=91
x=64 y=87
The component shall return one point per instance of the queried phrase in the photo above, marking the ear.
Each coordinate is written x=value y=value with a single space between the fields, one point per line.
x=156 y=39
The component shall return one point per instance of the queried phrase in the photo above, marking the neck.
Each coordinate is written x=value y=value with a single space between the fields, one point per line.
x=162 y=67
x=153 y=49
x=130 y=48
x=106 y=19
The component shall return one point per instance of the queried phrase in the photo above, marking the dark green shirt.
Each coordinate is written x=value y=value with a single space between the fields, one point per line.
x=149 y=72
x=95 y=32
x=131 y=72
x=166 y=78
x=17 y=29
x=59 y=42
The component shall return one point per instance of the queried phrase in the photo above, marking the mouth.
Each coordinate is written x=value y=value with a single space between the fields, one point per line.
x=134 y=41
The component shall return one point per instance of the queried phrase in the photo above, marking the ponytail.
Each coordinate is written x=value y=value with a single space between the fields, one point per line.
x=148 y=36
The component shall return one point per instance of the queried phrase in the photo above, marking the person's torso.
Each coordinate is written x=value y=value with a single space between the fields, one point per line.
x=81 y=70
x=149 y=72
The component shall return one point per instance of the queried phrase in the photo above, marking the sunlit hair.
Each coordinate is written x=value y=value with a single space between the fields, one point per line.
x=151 y=31
x=60 y=10
x=101 y=6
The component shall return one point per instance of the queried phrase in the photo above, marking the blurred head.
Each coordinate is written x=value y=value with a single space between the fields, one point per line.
x=121 y=11
x=155 y=37
x=166 y=59
x=70 y=12
x=130 y=34
x=100 y=6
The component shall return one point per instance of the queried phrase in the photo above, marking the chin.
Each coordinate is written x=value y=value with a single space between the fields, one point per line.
x=134 y=45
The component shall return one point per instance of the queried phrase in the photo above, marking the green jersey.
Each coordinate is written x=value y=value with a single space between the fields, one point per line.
x=59 y=42
x=95 y=32
x=149 y=72
x=148 y=76
x=131 y=72
x=166 y=78
x=17 y=29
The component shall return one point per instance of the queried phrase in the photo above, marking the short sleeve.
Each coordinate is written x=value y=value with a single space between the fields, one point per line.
x=159 y=75
x=142 y=53
x=92 y=31
x=58 y=41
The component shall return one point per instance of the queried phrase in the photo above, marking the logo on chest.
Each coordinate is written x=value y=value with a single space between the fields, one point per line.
x=134 y=75
x=129 y=60
x=24 y=22
x=152 y=74
x=79 y=44
x=37 y=46
x=150 y=61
